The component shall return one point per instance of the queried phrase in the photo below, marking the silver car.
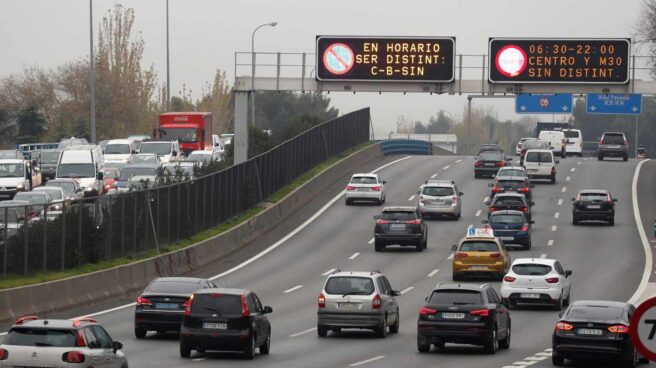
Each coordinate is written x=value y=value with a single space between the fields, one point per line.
x=439 y=198
x=363 y=300
x=365 y=187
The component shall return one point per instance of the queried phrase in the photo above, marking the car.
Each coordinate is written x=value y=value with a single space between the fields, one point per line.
x=39 y=200
x=110 y=176
x=120 y=150
x=512 y=227
x=47 y=161
x=184 y=168
x=83 y=163
x=556 y=140
x=464 y=314
x=202 y=156
x=520 y=144
x=225 y=319
x=363 y=300
x=72 y=141
x=161 y=305
x=595 y=329
x=613 y=144
x=510 y=201
x=13 y=215
x=57 y=203
x=400 y=225
x=480 y=253
x=166 y=151
x=70 y=187
x=541 y=164
x=573 y=142
x=516 y=171
x=593 y=204
x=114 y=165
x=641 y=153
x=439 y=198
x=365 y=187
x=150 y=170
x=511 y=184
x=537 y=281
x=532 y=144
x=81 y=342
x=488 y=147
x=488 y=163
x=144 y=158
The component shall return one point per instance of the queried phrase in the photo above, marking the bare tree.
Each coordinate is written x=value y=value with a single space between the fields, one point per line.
x=217 y=99
x=646 y=30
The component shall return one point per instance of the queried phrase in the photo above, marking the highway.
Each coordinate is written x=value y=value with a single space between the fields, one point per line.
x=608 y=263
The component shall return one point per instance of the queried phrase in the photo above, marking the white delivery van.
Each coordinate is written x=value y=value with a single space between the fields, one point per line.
x=573 y=142
x=120 y=150
x=84 y=163
x=556 y=140
x=540 y=164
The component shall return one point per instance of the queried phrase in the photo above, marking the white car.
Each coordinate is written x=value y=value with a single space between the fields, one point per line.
x=120 y=150
x=573 y=142
x=365 y=187
x=201 y=156
x=34 y=342
x=537 y=281
x=520 y=144
x=556 y=140
x=540 y=164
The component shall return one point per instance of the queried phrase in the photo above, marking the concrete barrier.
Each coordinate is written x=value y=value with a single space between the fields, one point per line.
x=59 y=295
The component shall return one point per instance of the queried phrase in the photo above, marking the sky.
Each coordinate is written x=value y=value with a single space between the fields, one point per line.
x=205 y=34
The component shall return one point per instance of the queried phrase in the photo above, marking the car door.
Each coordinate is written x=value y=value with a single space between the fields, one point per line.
x=391 y=306
x=566 y=281
x=257 y=316
x=95 y=350
x=264 y=321
x=106 y=343
x=503 y=316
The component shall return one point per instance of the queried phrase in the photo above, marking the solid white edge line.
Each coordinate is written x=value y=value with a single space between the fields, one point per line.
x=354 y=256
x=293 y=289
x=409 y=288
x=643 y=237
x=303 y=332
x=446 y=167
x=367 y=361
x=371 y=241
x=328 y=272
x=433 y=273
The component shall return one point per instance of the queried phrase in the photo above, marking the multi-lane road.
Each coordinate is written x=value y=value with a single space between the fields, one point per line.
x=608 y=263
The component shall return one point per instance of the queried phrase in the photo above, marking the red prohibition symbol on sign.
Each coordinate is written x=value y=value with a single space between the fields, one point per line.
x=338 y=58
x=511 y=60
x=643 y=329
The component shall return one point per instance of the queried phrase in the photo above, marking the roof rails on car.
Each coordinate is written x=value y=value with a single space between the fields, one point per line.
x=24 y=319
x=80 y=321
x=335 y=271
x=373 y=272
x=483 y=285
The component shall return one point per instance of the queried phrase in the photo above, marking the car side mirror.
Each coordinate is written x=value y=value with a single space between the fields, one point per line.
x=532 y=222
x=174 y=152
x=454 y=247
x=561 y=314
x=487 y=203
x=568 y=273
x=490 y=185
x=268 y=310
x=376 y=217
x=461 y=193
x=532 y=185
x=117 y=346
x=384 y=181
x=557 y=161
x=532 y=203
x=100 y=176
x=396 y=293
x=614 y=199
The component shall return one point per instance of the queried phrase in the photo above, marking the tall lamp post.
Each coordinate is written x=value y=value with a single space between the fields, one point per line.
x=92 y=75
x=271 y=24
x=168 y=70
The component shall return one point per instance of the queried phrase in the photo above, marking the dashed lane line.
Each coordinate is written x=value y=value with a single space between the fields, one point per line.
x=411 y=197
x=433 y=176
x=578 y=162
x=557 y=215
x=550 y=242
x=478 y=213
x=460 y=160
x=572 y=169
x=543 y=256
x=554 y=228
x=450 y=256
x=354 y=256
x=568 y=178
x=486 y=199
x=328 y=272
x=409 y=288
x=303 y=332
x=371 y=241
x=564 y=189
x=433 y=273
x=367 y=361
x=293 y=289
x=560 y=201
x=446 y=167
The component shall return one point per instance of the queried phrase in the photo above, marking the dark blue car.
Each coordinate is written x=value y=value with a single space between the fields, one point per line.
x=512 y=227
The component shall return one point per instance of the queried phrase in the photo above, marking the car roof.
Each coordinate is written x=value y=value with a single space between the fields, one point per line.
x=143 y=165
x=53 y=323
x=461 y=286
x=600 y=303
x=366 y=174
x=614 y=133
x=511 y=177
x=45 y=187
x=11 y=161
x=593 y=191
x=201 y=152
x=155 y=141
x=539 y=150
x=354 y=273
x=522 y=168
x=439 y=183
x=541 y=261
x=399 y=209
x=228 y=291
x=507 y=212
x=179 y=279
x=120 y=141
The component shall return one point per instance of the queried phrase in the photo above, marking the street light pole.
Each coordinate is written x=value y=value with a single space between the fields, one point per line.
x=168 y=69
x=271 y=24
x=92 y=75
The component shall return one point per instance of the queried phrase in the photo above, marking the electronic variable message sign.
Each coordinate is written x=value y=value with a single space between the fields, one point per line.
x=559 y=61
x=390 y=59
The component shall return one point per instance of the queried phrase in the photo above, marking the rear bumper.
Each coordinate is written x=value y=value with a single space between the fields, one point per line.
x=593 y=215
x=162 y=321
x=614 y=152
x=435 y=210
x=462 y=333
x=357 y=320
x=402 y=238
x=215 y=340
x=486 y=170
x=367 y=196
x=514 y=294
x=580 y=348
x=516 y=238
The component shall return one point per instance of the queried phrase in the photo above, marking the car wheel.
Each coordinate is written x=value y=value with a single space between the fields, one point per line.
x=322 y=331
x=381 y=331
x=185 y=349
x=140 y=333
x=384 y=198
x=575 y=221
x=422 y=345
x=625 y=158
x=630 y=360
x=569 y=297
x=600 y=158
x=419 y=247
x=492 y=344
x=557 y=359
x=611 y=222
x=559 y=304
x=264 y=349
x=528 y=244
x=395 y=327
x=505 y=343
x=425 y=243
x=553 y=178
x=378 y=246
x=348 y=202
x=249 y=350
x=476 y=176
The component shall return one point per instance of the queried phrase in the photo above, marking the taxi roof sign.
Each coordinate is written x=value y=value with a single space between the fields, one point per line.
x=473 y=232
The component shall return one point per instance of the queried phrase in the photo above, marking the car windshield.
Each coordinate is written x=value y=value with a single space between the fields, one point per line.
x=182 y=169
x=183 y=135
x=149 y=159
x=507 y=219
x=505 y=201
x=613 y=139
x=539 y=157
x=25 y=336
x=491 y=156
x=364 y=180
x=398 y=216
x=199 y=157
x=11 y=170
x=530 y=269
x=216 y=303
x=512 y=172
x=593 y=197
x=118 y=149
x=32 y=197
x=129 y=172
x=49 y=157
x=571 y=133
x=68 y=188
x=455 y=297
x=76 y=171
x=535 y=144
x=595 y=312
x=341 y=285
x=479 y=246
x=163 y=286
x=438 y=191
x=159 y=148
x=54 y=193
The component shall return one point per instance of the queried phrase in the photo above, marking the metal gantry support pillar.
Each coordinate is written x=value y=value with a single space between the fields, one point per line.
x=240 y=142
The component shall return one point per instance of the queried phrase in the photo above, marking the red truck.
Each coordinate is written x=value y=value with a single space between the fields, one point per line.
x=193 y=130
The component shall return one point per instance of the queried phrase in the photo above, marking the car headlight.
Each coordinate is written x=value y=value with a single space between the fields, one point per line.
x=20 y=186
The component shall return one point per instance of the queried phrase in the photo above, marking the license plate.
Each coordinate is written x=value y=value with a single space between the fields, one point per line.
x=453 y=315
x=594 y=206
x=530 y=296
x=166 y=306
x=5 y=195
x=215 y=326
x=348 y=305
x=439 y=201
x=478 y=267
x=362 y=189
x=490 y=164
x=588 y=331
x=507 y=238
x=532 y=170
x=397 y=227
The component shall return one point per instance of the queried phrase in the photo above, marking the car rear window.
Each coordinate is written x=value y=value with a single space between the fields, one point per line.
x=216 y=303
x=173 y=287
x=438 y=191
x=610 y=138
x=572 y=133
x=538 y=157
x=530 y=269
x=507 y=202
x=25 y=336
x=479 y=246
x=457 y=297
x=593 y=196
x=363 y=180
x=512 y=172
x=398 y=216
x=595 y=312
x=491 y=156
x=353 y=285
x=507 y=219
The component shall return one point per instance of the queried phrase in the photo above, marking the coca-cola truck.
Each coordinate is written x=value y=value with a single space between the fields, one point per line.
x=193 y=130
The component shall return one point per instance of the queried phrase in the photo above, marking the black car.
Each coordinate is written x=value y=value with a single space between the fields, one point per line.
x=400 y=225
x=509 y=201
x=47 y=160
x=593 y=204
x=161 y=305
x=487 y=147
x=488 y=163
x=464 y=314
x=225 y=319
x=512 y=184
x=595 y=330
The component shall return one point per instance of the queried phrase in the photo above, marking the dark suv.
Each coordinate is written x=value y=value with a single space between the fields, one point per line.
x=511 y=184
x=225 y=319
x=463 y=314
x=593 y=204
x=509 y=201
x=400 y=225
x=613 y=144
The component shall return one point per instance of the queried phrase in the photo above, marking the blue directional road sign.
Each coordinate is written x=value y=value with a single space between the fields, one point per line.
x=613 y=104
x=560 y=103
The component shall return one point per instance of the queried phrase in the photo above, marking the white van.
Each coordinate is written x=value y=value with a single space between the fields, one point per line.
x=573 y=142
x=556 y=140
x=166 y=151
x=84 y=163
x=120 y=150
x=540 y=164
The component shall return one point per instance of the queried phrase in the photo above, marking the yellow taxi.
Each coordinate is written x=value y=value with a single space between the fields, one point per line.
x=480 y=253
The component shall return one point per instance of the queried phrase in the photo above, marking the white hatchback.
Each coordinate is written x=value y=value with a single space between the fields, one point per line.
x=537 y=281
x=365 y=187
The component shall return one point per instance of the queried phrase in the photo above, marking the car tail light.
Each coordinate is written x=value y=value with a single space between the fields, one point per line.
x=375 y=189
x=524 y=228
x=375 y=304
x=427 y=311
x=523 y=152
x=552 y=280
x=382 y=222
x=601 y=142
x=244 y=307
x=495 y=255
x=477 y=164
x=480 y=312
x=322 y=301
x=492 y=209
x=553 y=169
x=509 y=279
x=619 y=329
x=625 y=142
x=4 y=354
x=454 y=199
x=22 y=320
x=525 y=209
x=414 y=222
x=350 y=187
x=501 y=164
x=564 y=326
x=80 y=341
x=73 y=357
x=143 y=301
x=496 y=189
x=578 y=198
x=188 y=304
x=524 y=190
x=460 y=255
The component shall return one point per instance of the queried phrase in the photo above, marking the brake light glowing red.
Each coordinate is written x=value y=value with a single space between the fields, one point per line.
x=376 y=302
x=480 y=312
x=608 y=198
x=4 y=354
x=73 y=357
x=525 y=209
x=382 y=222
x=322 y=301
x=501 y=164
x=460 y=255
x=619 y=329
x=524 y=228
x=564 y=326
x=375 y=189
x=601 y=142
x=478 y=164
x=495 y=255
x=350 y=187
x=509 y=279
x=524 y=190
x=496 y=189
x=492 y=209
x=244 y=307
x=414 y=222
x=143 y=301
x=188 y=304
x=427 y=311
x=552 y=280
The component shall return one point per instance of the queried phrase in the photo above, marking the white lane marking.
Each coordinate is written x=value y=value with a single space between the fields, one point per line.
x=198 y=359
x=411 y=197
x=572 y=169
x=433 y=176
x=303 y=332
x=578 y=162
x=328 y=272
x=560 y=201
x=550 y=242
x=450 y=256
x=568 y=178
x=354 y=256
x=478 y=213
x=543 y=256
x=486 y=199
x=267 y=250
x=557 y=215
x=293 y=289
x=371 y=241
x=407 y=289
x=433 y=273
x=554 y=228
x=367 y=361
x=643 y=236
x=457 y=161
x=446 y=167
x=564 y=189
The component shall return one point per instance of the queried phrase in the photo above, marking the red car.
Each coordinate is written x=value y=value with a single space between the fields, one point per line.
x=110 y=176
